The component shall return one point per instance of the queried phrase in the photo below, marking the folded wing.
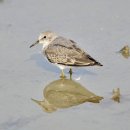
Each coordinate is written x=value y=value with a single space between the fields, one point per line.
x=66 y=52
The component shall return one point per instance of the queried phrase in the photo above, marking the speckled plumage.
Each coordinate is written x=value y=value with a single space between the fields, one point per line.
x=66 y=52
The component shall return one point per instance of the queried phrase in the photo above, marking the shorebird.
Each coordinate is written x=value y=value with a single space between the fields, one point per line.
x=64 y=52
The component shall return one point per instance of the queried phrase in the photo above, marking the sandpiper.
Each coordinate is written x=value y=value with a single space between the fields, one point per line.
x=64 y=52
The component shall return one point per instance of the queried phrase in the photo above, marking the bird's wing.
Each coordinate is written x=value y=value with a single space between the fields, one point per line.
x=66 y=52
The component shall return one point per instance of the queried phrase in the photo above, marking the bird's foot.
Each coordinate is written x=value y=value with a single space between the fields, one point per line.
x=62 y=76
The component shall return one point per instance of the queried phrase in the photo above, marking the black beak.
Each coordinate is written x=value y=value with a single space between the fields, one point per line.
x=34 y=43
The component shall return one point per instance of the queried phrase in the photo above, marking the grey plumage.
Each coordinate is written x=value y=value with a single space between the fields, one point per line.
x=63 y=52
x=66 y=52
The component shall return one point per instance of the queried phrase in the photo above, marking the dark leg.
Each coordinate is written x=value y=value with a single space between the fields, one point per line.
x=70 y=71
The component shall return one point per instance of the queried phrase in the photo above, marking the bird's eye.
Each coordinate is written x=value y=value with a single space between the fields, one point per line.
x=44 y=37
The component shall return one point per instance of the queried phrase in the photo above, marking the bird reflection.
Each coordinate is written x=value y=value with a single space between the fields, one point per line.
x=64 y=93
x=125 y=51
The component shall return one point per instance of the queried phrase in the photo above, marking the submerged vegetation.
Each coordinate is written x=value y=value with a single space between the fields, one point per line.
x=125 y=51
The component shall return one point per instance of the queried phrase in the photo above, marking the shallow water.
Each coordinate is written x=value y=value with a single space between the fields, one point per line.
x=100 y=27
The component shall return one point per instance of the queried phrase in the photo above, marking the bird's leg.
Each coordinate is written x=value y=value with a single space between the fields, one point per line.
x=62 y=74
x=70 y=71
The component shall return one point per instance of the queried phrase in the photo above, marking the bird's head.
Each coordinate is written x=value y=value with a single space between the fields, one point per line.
x=45 y=38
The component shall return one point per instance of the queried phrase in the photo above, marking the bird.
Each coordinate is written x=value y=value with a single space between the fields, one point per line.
x=64 y=52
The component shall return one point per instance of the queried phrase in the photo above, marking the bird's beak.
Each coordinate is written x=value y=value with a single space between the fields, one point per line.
x=34 y=43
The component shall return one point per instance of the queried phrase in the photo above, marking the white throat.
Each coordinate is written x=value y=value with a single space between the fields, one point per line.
x=45 y=45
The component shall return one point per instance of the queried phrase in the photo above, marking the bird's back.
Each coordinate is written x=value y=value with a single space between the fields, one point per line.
x=66 y=52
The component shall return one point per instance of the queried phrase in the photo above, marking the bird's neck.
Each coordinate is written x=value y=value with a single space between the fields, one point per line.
x=45 y=45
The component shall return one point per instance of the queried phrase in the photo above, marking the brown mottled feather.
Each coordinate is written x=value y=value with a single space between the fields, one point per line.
x=66 y=52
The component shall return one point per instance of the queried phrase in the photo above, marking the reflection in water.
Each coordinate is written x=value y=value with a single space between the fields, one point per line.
x=116 y=95
x=64 y=93
x=125 y=51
